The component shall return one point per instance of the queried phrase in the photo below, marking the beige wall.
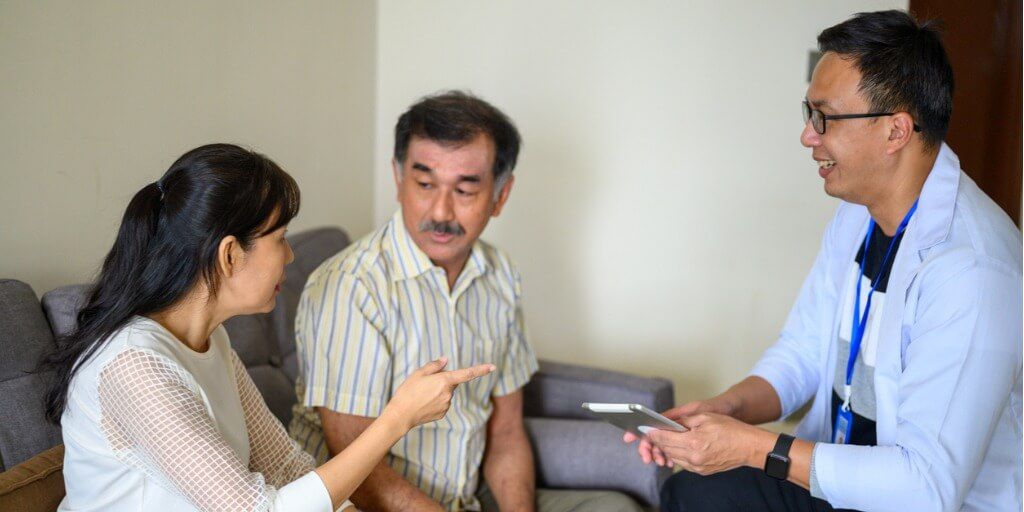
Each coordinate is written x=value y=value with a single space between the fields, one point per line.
x=664 y=213
x=98 y=98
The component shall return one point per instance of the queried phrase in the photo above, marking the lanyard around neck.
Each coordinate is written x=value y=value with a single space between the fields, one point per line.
x=860 y=321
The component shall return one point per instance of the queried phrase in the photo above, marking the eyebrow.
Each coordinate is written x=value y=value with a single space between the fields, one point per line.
x=463 y=178
x=819 y=103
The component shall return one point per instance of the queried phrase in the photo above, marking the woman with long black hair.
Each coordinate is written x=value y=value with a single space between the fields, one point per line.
x=157 y=411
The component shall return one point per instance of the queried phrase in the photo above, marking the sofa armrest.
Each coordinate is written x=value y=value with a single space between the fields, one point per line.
x=590 y=454
x=575 y=451
x=558 y=389
x=36 y=484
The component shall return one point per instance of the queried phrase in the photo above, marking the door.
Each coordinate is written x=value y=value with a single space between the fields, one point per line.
x=983 y=39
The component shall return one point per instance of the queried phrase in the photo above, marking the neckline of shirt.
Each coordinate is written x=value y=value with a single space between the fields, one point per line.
x=180 y=347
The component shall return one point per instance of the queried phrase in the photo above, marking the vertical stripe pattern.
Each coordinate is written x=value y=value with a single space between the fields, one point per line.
x=377 y=311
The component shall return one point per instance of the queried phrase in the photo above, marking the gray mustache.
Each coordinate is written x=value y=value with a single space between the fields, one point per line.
x=442 y=228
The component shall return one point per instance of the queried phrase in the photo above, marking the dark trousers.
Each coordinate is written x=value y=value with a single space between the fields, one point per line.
x=742 y=489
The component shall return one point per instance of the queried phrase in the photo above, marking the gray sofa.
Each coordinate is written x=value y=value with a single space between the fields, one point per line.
x=572 y=450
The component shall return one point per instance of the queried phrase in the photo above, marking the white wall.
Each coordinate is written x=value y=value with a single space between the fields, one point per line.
x=98 y=98
x=664 y=214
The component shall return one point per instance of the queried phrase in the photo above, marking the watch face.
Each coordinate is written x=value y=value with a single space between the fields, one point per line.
x=777 y=466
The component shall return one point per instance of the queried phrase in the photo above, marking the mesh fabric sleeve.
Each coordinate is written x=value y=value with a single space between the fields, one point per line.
x=156 y=422
x=271 y=451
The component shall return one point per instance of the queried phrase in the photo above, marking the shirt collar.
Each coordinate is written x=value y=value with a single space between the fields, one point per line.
x=475 y=266
x=410 y=261
x=934 y=215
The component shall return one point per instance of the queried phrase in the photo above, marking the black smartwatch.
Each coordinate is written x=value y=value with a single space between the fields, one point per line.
x=776 y=464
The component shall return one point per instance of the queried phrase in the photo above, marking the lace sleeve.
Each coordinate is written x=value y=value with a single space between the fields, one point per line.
x=271 y=451
x=156 y=422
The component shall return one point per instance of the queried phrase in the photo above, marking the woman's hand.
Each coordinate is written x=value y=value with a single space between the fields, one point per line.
x=426 y=395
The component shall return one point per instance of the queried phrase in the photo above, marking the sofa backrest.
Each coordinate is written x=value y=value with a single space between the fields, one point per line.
x=24 y=337
x=264 y=342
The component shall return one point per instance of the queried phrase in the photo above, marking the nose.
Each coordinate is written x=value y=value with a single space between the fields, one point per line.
x=443 y=208
x=810 y=138
x=291 y=255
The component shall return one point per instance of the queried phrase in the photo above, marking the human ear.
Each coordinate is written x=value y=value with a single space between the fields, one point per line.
x=506 y=189
x=229 y=256
x=396 y=173
x=901 y=130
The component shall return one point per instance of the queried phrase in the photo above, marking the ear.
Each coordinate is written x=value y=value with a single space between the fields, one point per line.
x=506 y=189
x=901 y=131
x=396 y=173
x=229 y=256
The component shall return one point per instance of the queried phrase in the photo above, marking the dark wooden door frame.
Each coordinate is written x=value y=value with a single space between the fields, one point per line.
x=983 y=40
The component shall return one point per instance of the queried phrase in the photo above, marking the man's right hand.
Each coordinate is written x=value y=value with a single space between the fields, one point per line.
x=426 y=394
x=650 y=453
x=752 y=400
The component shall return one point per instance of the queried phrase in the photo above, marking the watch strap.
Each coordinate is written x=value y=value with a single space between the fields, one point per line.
x=776 y=464
x=783 y=444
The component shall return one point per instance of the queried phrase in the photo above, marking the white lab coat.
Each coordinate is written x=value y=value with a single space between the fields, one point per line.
x=948 y=368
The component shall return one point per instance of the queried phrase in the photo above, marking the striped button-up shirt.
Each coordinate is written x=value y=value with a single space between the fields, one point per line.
x=374 y=313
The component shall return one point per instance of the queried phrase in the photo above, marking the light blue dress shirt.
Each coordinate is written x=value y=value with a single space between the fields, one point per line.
x=948 y=374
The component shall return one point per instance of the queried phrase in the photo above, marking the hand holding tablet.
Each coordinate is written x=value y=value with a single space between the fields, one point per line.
x=633 y=418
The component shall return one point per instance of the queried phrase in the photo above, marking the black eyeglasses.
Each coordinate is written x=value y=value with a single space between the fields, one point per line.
x=818 y=118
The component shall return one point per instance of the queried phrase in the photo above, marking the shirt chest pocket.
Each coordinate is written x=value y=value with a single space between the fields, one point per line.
x=464 y=342
x=483 y=351
x=484 y=346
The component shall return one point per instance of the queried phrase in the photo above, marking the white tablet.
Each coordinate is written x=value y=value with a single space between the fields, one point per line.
x=633 y=418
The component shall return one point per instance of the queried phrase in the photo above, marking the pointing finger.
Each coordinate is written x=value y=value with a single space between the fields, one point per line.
x=456 y=377
x=433 y=367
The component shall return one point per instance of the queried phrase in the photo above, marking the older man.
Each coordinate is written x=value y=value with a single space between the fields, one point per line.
x=420 y=287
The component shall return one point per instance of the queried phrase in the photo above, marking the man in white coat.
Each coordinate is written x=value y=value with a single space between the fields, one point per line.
x=906 y=335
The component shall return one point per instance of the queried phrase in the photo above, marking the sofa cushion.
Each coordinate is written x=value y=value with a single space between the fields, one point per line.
x=558 y=390
x=254 y=339
x=36 y=484
x=278 y=392
x=24 y=334
x=266 y=342
x=590 y=454
x=24 y=338
x=311 y=249
x=61 y=306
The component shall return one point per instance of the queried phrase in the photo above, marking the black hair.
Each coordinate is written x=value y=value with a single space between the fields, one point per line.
x=456 y=117
x=903 y=66
x=168 y=243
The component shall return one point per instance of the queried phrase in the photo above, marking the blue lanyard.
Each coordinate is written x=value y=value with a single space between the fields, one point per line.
x=860 y=321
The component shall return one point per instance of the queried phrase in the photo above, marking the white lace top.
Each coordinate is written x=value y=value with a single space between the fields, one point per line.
x=153 y=425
